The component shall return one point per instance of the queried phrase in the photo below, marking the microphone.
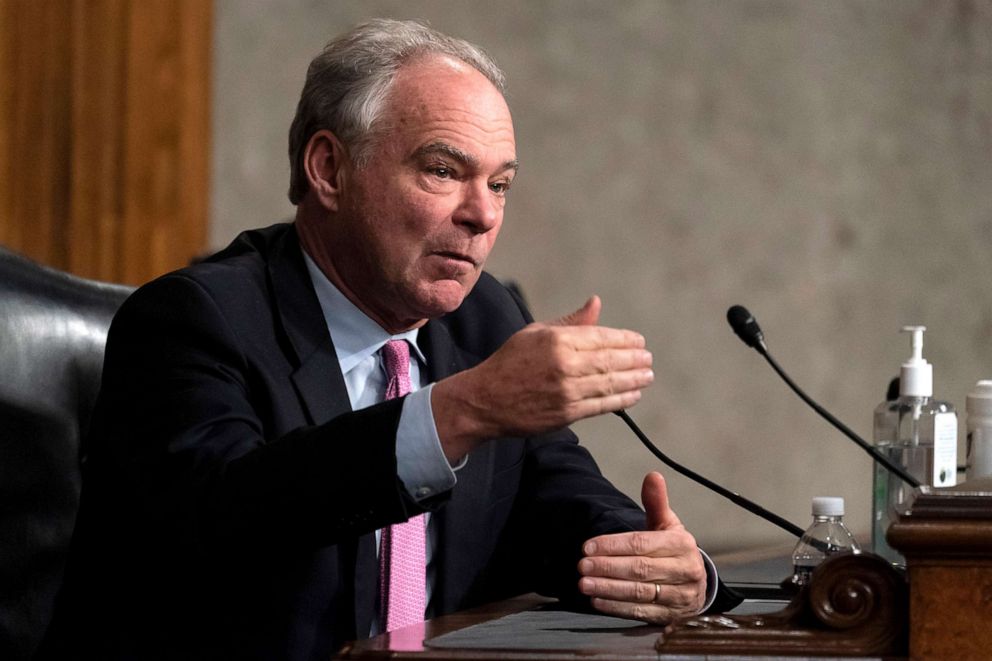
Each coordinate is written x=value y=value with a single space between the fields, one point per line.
x=734 y=497
x=746 y=328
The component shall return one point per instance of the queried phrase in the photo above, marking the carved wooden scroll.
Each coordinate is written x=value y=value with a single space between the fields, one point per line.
x=855 y=605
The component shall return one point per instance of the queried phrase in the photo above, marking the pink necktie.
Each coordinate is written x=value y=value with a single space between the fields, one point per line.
x=402 y=546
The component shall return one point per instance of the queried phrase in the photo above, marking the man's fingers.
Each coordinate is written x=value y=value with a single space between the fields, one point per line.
x=597 y=396
x=673 y=571
x=655 y=613
x=654 y=497
x=605 y=361
x=653 y=543
x=633 y=591
x=651 y=613
x=546 y=376
x=586 y=338
x=639 y=592
x=591 y=407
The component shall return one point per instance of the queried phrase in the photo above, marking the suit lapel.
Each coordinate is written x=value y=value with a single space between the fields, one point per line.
x=444 y=358
x=317 y=378
x=321 y=388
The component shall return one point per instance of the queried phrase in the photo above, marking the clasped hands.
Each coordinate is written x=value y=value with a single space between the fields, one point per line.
x=547 y=376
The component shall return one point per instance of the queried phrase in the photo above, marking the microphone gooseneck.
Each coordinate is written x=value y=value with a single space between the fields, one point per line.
x=736 y=498
x=746 y=328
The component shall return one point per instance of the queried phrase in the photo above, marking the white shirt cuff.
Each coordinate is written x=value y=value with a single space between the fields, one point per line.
x=420 y=461
x=712 y=581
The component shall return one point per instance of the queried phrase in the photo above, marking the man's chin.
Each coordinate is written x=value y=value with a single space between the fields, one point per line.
x=445 y=296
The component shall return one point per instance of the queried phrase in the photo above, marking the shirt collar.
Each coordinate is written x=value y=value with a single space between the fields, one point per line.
x=355 y=335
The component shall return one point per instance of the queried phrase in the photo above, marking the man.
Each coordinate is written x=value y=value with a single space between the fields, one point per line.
x=246 y=478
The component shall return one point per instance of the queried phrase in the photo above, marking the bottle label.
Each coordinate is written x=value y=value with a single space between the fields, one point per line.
x=945 y=449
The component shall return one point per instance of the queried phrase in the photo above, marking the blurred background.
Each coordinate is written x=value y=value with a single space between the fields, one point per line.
x=827 y=165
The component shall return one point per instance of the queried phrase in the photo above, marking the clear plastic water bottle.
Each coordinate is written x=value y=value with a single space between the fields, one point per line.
x=825 y=537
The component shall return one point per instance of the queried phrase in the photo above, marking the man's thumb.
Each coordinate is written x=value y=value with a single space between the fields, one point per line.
x=654 y=497
x=587 y=315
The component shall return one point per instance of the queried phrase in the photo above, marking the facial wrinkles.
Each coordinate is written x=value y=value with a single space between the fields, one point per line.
x=411 y=223
x=484 y=137
x=478 y=161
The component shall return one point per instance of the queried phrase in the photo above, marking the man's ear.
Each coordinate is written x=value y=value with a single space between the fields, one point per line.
x=324 y=162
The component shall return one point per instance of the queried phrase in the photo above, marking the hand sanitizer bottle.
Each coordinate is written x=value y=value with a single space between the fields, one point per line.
x=916 y=432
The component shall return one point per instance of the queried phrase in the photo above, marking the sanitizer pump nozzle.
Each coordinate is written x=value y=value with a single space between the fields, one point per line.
x=916 y=375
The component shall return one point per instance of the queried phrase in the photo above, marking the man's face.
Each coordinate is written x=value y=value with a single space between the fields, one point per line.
x=417 y=222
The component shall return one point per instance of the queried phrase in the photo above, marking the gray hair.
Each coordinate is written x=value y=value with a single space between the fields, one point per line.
x=349 y=81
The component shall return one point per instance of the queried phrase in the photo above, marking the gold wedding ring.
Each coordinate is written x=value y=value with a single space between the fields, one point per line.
x=657 y=593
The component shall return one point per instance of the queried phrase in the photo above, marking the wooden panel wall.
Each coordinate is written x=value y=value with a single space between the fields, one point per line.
x=104 y=133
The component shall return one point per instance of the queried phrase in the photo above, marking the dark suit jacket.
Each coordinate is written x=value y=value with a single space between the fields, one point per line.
x=230 y=494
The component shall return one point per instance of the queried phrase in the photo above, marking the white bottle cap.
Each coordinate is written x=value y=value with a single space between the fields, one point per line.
x=979 y=400
x=828 y=506
x=916 y=376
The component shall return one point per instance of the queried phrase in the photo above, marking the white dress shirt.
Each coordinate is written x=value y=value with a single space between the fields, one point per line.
x=420 y=461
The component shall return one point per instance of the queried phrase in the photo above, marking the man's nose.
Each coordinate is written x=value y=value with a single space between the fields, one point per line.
x=480 y=209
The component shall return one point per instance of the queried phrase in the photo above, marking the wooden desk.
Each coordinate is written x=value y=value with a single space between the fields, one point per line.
x=408 y=643
x=528 y=628
x=856 y=604
x=633 y=643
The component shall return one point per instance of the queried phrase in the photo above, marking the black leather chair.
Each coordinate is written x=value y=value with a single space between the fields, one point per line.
x=53 y=327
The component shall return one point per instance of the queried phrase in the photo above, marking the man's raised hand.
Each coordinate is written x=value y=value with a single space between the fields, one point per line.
x=546 y=376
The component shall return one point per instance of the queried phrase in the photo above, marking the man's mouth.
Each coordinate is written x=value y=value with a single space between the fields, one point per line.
x=459 y=256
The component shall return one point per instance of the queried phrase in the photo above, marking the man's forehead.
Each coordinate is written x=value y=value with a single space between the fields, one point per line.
x=436 y=66
x=442 y=84
x=446 y=107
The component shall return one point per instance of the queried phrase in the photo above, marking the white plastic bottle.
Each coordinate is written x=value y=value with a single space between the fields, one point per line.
x=919 y=434
x=978 y=407
x=825 y=537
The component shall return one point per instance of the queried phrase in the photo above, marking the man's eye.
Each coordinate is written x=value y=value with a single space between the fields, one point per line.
x=499 y=187
x=441 y=172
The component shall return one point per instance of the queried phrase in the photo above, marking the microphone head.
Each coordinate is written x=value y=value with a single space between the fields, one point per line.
x=746 y=327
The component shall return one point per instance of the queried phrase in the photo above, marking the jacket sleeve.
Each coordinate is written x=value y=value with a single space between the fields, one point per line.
x=186 y=425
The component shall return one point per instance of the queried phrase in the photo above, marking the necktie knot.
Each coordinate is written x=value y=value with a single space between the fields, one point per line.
x=396 y=360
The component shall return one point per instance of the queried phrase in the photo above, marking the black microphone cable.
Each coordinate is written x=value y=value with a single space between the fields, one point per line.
x=734 y=497
x=746 y=327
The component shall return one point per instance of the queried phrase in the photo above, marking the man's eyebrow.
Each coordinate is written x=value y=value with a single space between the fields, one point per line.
x=457 y=154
